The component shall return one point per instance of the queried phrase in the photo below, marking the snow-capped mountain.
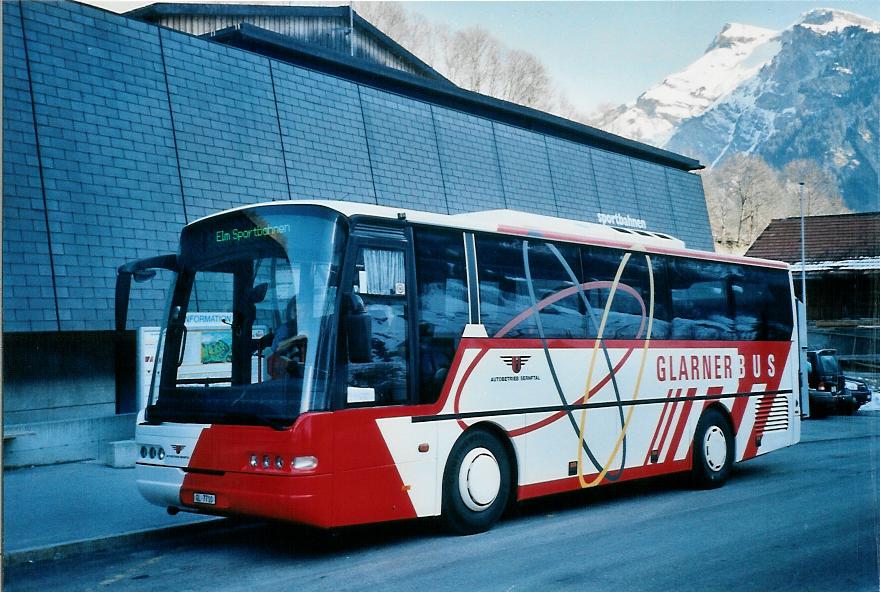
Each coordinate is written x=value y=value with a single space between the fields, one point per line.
x=811 y=91
x=736 y=54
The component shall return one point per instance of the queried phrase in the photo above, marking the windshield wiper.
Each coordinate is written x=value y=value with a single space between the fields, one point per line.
x=248 y=417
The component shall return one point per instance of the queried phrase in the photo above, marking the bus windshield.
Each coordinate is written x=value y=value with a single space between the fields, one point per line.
x=244 y=337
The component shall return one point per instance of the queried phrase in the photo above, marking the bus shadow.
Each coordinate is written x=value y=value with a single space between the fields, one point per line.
x=303 y=542
x=294 y=541
x=597 y=496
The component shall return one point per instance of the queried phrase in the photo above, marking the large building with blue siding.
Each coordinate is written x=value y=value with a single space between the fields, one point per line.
x=118 y=130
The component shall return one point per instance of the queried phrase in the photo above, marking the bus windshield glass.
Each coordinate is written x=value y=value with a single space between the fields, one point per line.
x=243 y=338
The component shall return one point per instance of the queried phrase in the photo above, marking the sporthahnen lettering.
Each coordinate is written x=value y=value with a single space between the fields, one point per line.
x=619 y=219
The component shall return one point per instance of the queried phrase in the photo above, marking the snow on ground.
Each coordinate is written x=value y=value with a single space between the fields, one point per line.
x=874 y=404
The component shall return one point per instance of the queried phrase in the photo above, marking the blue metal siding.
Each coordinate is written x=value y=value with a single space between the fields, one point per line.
x=573 y=180
x=525 y=170
x=689 y=206
x=469 y=159
x=614 y=181
x=652 y=195
x=403 y=150
x=109 y=168
x=226 y=125
x=135 y=141
x=325 y=142
x=28 y=294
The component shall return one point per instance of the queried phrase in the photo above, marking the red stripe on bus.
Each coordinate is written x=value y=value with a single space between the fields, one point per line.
x=532 y=490
x=712 y=391
x=464 y=379
x=669 y=420
x=657 y=429
x=682 y=423
x=536 y=343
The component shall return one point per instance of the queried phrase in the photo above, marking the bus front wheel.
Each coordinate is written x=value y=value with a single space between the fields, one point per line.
x=713 y=450
x=476 y=483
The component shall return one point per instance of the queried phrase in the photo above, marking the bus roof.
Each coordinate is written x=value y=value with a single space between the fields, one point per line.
x=527 y=224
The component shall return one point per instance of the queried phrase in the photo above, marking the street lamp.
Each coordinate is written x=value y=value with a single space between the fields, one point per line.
x=803 y=248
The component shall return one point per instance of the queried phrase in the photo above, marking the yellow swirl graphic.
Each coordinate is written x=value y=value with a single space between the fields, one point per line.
x=598 y=479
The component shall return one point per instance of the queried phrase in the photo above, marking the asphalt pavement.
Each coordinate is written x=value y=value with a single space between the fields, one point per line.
x=803 y=518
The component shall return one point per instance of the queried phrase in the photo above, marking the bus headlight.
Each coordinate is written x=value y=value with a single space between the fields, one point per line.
x=304 y=463
x=254 y=460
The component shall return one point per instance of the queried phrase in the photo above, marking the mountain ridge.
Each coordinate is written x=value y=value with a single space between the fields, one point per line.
x=808 y=91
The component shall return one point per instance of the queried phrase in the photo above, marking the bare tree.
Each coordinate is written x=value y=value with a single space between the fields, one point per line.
x=565 y=108
x=525 y=80
x=471 y=58
x=413 y=31
x=742 y=196
x=820 y=191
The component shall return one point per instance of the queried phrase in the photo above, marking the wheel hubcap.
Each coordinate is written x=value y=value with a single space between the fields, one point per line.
x=715 y=448
x=479 y=479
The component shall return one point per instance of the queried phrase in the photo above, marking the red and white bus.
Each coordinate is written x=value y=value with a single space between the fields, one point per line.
x=416 y=364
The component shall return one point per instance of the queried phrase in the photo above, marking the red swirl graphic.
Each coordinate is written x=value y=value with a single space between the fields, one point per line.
x=526 y=314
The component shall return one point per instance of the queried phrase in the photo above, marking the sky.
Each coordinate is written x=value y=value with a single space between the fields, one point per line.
x=604 y=53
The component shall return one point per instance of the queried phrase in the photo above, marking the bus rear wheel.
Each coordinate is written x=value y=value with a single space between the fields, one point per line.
x=713 y=450
x=476 y=483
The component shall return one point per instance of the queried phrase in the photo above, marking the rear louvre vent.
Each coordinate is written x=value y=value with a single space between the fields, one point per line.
x=774 y=412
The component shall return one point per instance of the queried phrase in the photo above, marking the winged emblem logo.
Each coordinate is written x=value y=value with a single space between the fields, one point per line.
x=516 y=363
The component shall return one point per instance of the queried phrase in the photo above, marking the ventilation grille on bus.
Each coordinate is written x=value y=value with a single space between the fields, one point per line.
x=775 y=412
x=367 y=229
x=642 y=232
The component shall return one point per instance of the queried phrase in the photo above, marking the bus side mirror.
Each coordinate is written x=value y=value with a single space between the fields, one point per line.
x=358 y=329
x=141 y=271
x=144 y=275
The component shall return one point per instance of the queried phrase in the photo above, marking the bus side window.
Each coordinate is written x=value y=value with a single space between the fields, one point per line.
x=442 y=305
x=509 y=293
x=557 y=296
x=628 y=314
x=380 y=281
x=702 y=299
x=756 y=294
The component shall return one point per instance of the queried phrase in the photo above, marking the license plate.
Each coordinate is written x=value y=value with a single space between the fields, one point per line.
x=205 y=498
x=833 y=389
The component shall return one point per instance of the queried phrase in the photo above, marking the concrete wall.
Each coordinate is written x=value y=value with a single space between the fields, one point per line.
x=60 y=396
x=49 y=442
x=57 y=376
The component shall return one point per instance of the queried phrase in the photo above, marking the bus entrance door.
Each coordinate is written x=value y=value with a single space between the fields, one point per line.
x=377 y=387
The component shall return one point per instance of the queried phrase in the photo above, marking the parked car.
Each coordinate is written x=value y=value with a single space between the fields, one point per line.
x=828 y=393
x=859 y=391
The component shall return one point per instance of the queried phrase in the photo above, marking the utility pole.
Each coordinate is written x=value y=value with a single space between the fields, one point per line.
x=803 y=247
x=802 y=318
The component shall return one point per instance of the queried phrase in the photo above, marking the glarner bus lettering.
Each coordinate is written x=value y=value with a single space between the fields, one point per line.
x=382 y=365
